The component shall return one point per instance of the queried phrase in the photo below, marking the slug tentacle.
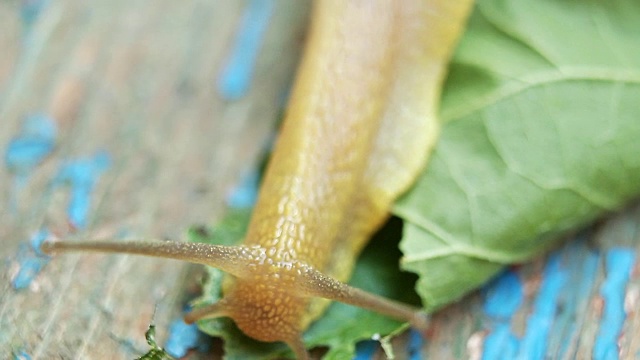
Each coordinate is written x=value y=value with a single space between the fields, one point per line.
x=211 y=311
x=316 y=284
x=230 y=259
x=297 y=345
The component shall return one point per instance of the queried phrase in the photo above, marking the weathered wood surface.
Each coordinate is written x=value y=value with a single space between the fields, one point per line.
x=137 y=79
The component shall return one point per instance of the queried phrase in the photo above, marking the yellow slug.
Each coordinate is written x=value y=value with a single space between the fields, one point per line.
x=359 y=127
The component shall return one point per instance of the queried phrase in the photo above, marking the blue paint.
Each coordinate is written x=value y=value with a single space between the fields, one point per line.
x=30 y=261
x=28 y=149
x=30 y=12
x=415 y=344
x=534 y=342
x=82 y=175
x=21 y=355
x=365 y=350
x=618 y=265
x=500 y=343
x=246 y=193
x=182 y=338
x=503 y=297
x=34 y=142
x=235 y=79
x=582 y=263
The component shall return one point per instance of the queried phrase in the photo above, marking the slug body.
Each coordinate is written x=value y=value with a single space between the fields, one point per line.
x=359 y=127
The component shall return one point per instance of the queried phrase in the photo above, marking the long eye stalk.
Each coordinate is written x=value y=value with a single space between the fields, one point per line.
x=226 y=258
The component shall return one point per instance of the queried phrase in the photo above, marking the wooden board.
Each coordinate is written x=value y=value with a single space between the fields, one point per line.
x=142 y=116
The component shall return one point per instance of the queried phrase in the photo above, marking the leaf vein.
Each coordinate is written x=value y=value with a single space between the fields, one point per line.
x=512 y=88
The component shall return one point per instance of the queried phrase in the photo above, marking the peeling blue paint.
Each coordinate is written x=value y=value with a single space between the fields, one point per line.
x=501 y=343
x=82 y=175
x=415 y=344
x=21 y=355
x=503 y=297
x=30 y=261
x=618 y=265
x=236 y=76
x=184 y=337
x=581 y=262
x=246 y=193
x=534 y=343
x=35 y=141
x=31 y=10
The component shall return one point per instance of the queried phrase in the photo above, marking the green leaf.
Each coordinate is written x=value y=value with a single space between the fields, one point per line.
x=342 y=325
x=542 y=134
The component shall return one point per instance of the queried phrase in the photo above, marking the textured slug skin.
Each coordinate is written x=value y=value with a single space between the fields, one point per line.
x=359 y=127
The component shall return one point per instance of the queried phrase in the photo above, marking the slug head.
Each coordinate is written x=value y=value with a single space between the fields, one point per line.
x=268 y=298
x=264 y=298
